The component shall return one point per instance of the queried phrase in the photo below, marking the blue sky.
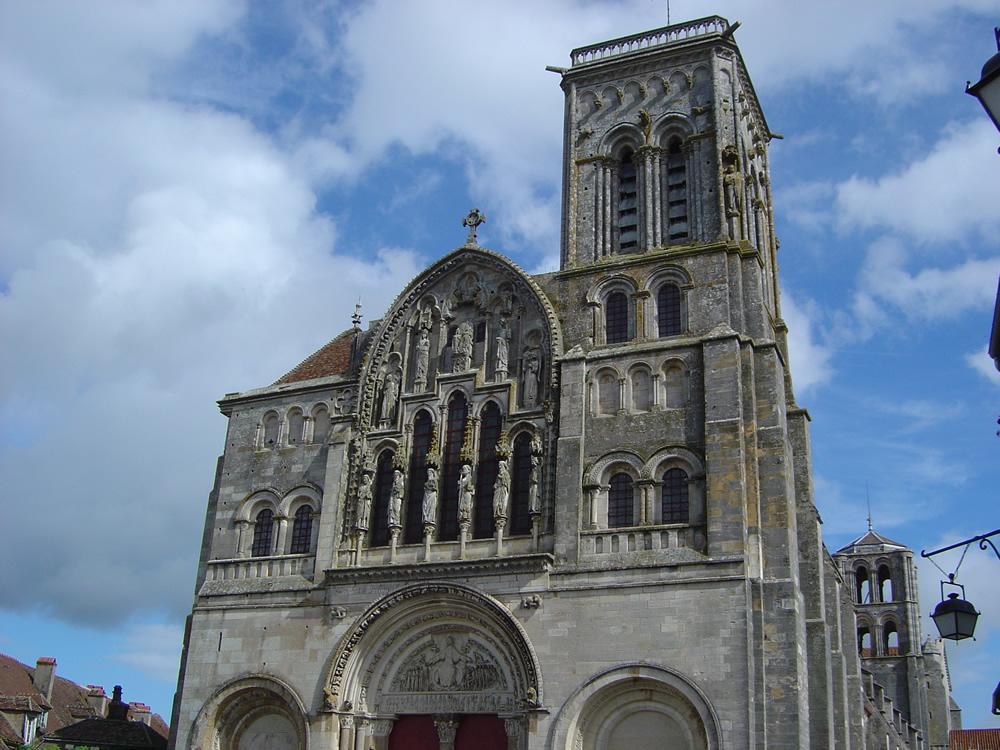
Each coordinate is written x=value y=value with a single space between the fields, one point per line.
x=194 y=194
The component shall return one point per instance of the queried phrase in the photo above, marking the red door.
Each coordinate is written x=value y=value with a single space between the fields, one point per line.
x=481 y=732
x=414 y=733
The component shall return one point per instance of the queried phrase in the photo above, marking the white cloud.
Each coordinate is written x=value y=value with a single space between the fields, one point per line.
x=810 y=360
x=155 y=649
x=981 y=362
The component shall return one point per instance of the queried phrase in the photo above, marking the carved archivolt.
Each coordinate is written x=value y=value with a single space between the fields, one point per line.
x=431 y=648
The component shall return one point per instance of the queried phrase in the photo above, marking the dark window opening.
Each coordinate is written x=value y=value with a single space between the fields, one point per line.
x=621 y=497
x=885 y=591
x=486 y=471
x=865 y=642
x=302 y=531
x=677 y=209
x=263 y=534
x=674 y=497
x=480 y=332
x=413 y=529
x=616 y=318
x=520 y=486
x=628 y=206
x=668 y=307
x=458 y=411
x=380 y=503
x=862 y=586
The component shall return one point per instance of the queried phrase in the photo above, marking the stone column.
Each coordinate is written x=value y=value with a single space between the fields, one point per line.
x=592 y=490
x=656 y=161
x=646 y=494
x=598 y=324
x=641 y=314
x=657 y=397
x=610 y=180
x=428 y=538
x=446 y=728
x=362 y=726
x=501 y=524
x=649 y=198
x=599 y=177
x=308 y=429
x=346 y=725
x=514 y=726
x=283 y=433
x=244 y=535
x=393 y=542
x=381 y=729
x=621 y=396
x=279 y=546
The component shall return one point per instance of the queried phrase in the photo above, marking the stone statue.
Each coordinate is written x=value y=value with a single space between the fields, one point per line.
x=396 y=499
x=423 y=356
x=536 y=462
x=501 y=489
x=502 y=349
x=532 y=365
x=364 y=502
x=465 y=491
x=462 y=347
x=732 y=188
x=390 y=394
x=430 y=497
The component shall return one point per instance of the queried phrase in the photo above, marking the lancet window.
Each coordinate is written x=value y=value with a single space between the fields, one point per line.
x=458 y=412
x=520 y=486
x=668 y=310
x=628 y=204
x=674 y=503
x=621 y=501
x=263 y=534
x=413 y=531
x=616 y=318
x=380 y=503
x=486 y=471
x=677 y=192
x=302 y=531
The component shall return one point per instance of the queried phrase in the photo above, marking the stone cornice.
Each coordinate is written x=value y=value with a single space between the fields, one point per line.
x=423 y=571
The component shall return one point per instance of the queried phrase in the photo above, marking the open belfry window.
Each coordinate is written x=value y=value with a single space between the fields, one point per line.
x=677 y=193
x=628 y=205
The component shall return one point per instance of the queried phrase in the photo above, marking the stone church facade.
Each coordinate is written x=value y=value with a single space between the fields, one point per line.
x=570 y=510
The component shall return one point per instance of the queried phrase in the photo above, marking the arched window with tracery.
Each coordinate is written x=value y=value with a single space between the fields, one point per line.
x=668 y=310
x=674 y=496
x=458 y=412
x=263 y=534
x=302 y=531
x=677 y=193
x=270 y=437
x=628 y=204
x=486 y=471
x=380 y=501
x=413 y=529
x=616 y=318
x=520 y=485
x=621 y=501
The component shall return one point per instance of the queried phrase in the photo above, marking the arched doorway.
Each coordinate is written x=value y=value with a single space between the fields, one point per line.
x=254 y=713
x=438 y=656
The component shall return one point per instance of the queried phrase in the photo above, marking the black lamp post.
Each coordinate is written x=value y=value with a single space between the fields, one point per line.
x=987 y=89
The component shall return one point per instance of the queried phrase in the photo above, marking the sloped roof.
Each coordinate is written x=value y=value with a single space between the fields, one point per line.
x=974 y=739
x=870 y=538
x=333 y=358
x=109 y=733
x=9 y=735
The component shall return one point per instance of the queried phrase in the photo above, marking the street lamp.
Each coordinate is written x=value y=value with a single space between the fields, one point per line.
x=955 y=618
x=987 y=89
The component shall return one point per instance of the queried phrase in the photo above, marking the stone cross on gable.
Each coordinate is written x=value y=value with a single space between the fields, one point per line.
x=472 y=221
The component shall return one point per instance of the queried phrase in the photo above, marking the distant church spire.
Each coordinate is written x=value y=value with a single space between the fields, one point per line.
x=868 y=499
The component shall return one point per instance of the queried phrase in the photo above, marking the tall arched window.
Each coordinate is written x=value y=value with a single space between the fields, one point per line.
x=458 y=412
x=302 y=531
x=486 y=471
x=380 y=505
x=607 y=393
x=674 y=496
x=677 y=210
x=891 y=639
x=413 y=529
x=616 y=318
x=263 y=534
x=642 y=390
x=520 y=485
x=862 y=586
x=673 y=386
x=295 y=425
x=865 y=641
x=321 y=423
x=885 y=583
x=621 y=501
x=270 y=438
x=628 y=205
x=668 y=310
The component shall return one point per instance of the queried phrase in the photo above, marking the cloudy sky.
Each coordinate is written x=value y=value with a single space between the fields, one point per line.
x=194 y=194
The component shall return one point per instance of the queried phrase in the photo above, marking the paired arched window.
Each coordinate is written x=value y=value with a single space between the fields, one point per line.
x=607 y=393
x=621 y=501
x=520 y=485
x=486 y=471
x=458 y=412
x=302 y=531
x=885 y=592
x=674 y=505
x=295 y=426
x=677 y=208
x=380 y=502
x=616 y=327
x=270 y=437
x=628 y=204
x=862 y=586
x=321 y=423
x=668 y=310
x=413 y=529
x=263 y=534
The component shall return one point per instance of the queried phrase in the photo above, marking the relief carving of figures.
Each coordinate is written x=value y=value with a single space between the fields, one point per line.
x=390 y=395
x=364 y=502
x=462 y=347
x=451 y=663
x=503 y=350
x=501 y=489
x=430 y=497
x=423 y=357
x=396 y=499
x=465 y=491
x=532 y=367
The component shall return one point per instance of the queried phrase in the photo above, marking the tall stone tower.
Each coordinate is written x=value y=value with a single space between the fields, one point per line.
x=564 y=511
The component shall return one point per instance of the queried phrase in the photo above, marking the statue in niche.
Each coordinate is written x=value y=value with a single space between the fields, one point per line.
x=503 y=350
x=423 y=357
x=732 y=189
x=462 y=347
x=364 y=502
x=465 y=491
x=532 y=366
x=396 y=499
x=390 y=394
x=536 y=462
x=430 y=497
x=446 y=312
x=501 y=489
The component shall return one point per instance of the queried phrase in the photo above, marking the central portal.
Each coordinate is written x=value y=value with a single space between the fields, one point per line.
x=470 y=732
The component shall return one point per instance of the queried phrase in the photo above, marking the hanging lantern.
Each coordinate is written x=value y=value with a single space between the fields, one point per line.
x=954 y=616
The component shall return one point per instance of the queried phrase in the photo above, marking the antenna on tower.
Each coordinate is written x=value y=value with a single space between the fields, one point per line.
x=668 y=12
x=868 y=499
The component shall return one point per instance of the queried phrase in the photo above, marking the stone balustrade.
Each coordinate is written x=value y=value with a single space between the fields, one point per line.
x=656 y=38
x=595 y=542
x=261 y=567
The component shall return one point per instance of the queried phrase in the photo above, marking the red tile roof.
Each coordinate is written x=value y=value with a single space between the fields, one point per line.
x=334 y=358
x=974 y=739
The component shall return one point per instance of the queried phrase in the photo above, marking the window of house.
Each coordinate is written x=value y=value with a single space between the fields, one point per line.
x=458 y=412
x=263 y=534
x=520 y=485
x=486 y=471
x=668 y=309
x=616 y=318
x=302 y=531
x=413 y=528
x=674 y=496
x=380 y=503
x=621 y=501
x=677 y=211
x=270 y=438
x=628 y=205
